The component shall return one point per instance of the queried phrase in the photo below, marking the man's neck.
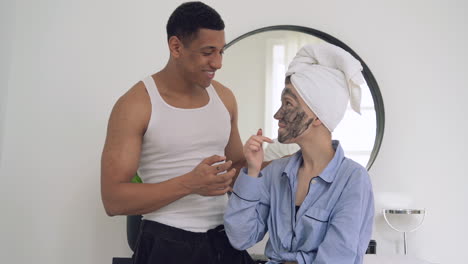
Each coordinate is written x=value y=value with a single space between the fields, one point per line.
x=176 y=92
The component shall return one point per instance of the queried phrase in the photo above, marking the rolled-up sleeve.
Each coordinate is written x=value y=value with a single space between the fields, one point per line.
x=246 y=215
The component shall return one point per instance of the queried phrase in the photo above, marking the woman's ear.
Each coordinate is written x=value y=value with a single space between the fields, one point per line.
x=316 y=121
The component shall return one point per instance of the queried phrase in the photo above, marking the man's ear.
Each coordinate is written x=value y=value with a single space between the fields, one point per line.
x=175 y=46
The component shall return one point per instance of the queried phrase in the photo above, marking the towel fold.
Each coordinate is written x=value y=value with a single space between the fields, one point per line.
x=327 y=77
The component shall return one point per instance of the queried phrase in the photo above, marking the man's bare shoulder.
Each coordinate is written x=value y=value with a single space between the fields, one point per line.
x=136 y=97
x=134 y=107
x=226 y=95
x=221 y=89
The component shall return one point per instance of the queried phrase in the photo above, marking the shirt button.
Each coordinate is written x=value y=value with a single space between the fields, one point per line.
x=314 y=181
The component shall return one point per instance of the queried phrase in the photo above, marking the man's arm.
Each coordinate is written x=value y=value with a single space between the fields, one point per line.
x=234 y=148
x=120 y=159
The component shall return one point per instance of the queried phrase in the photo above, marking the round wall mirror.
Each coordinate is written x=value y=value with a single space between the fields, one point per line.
x=254 y=67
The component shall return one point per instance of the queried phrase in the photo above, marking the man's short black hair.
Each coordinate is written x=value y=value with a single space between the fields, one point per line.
x=189 y=17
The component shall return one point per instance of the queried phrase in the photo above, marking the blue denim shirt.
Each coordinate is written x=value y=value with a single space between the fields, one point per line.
x=333 y=224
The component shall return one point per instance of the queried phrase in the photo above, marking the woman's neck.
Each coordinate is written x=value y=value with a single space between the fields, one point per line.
x=316 y=155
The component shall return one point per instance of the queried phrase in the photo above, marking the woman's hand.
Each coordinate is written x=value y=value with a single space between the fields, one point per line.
x=253 y=152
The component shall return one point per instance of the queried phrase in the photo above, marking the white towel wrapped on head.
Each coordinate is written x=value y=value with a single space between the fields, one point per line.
x=326 y=77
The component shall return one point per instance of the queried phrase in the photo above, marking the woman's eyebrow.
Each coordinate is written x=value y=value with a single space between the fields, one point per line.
x=288 y=91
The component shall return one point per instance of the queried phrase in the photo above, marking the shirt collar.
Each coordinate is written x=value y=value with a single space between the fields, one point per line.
x=328 y=174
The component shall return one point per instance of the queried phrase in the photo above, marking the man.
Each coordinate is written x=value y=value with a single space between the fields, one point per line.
x=178 y=129
x=317 y=205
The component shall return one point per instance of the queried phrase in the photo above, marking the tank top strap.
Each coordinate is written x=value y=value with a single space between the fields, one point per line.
x=214 y=97
x=152 y=89
x=156 y=98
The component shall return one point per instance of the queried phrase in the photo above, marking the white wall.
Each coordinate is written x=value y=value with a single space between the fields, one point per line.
x=246 y=86
x=6 y=23
x=71 y=60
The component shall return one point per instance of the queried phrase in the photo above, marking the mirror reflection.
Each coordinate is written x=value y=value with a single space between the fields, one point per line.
x=254 y=68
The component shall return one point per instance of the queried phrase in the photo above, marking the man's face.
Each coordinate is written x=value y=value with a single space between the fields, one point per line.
x=203 y=56
x=294 y=116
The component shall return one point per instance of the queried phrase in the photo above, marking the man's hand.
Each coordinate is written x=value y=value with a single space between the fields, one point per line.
x=209 y=178
x=253 y=152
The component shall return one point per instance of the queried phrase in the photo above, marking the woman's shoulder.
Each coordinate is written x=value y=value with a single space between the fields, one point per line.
x=354 y=171
x=276 y=167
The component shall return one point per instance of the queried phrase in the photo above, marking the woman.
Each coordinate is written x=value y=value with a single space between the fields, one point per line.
x=317 y=205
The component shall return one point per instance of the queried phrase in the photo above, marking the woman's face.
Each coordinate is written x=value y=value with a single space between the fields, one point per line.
x=294 y=115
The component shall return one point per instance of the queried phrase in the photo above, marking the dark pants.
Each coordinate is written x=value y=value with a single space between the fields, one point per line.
x=159 y=243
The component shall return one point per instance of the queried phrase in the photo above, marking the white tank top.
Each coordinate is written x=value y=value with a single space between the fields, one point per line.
x=175 y=142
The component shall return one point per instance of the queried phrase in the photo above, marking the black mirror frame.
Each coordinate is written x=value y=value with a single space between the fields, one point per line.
x=371 y=82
